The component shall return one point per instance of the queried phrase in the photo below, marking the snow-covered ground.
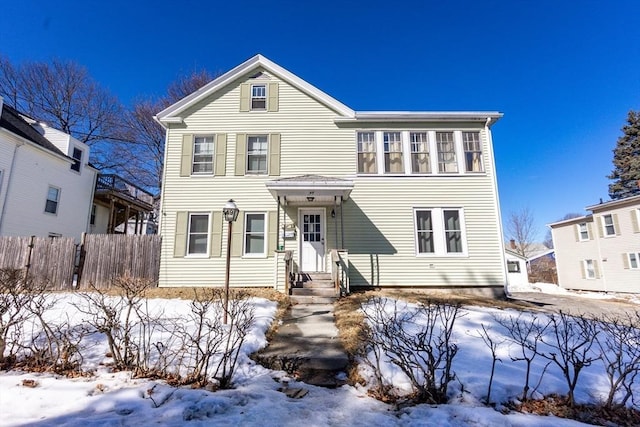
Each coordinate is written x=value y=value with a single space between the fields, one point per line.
x=552 y=288
x=108 y=398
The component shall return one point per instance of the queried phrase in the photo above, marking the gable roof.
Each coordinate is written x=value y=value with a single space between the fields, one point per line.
x=541 y=254
x=12 y=121
x=171 y=114
x=514 y=253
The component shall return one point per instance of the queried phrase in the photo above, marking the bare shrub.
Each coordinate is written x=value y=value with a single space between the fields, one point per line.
x=619 y=343
x=416 y=340
x=492 y=342
x=570 y=340
x=525 y=335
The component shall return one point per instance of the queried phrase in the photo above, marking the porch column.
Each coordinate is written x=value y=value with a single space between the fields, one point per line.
x=341 y=223
x=278 y=227
x=335 y=219
x=126 y=219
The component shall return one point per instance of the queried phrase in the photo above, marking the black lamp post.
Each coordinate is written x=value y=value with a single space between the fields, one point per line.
x=230 y=213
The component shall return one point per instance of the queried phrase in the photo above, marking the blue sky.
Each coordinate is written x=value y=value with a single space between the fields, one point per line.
x=564 y=73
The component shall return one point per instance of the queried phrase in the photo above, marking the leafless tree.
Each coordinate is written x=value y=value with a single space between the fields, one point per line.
x=63 y=95
x=147 y=137
x=521 y=229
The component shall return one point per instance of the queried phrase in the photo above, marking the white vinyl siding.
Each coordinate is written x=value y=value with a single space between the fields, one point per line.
x=255 y=234
x=203 y=154
x=198 y=234
x=53 y=198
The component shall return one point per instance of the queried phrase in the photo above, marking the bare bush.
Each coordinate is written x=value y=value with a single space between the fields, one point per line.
x=492 y=342
x=570 y=340
x=526 y=335
x=416 y=340
x=619 y=343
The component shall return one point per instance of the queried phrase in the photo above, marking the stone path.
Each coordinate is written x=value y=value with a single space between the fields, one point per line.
x=307 y=346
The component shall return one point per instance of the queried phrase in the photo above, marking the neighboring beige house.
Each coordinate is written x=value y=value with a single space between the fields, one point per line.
x=600 y=251
x=46 y=182
x=392 y=198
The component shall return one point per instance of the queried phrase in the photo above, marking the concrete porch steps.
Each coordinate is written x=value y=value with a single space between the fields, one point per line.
x=314 y=288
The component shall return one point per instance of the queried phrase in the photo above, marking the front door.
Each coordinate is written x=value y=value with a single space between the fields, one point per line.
x=312 y=241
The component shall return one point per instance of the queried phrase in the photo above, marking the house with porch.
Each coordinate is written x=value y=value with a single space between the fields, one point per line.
x=325 y=193
x=600 y=251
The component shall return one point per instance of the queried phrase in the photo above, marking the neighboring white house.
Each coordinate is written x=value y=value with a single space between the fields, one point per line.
x=46 y=183
x=600 y=251
x=410 y=198
x=517 y=276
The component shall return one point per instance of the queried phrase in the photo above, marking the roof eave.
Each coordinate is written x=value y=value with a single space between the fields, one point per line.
x=488 y=117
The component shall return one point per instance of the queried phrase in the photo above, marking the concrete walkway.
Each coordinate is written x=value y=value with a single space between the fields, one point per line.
x=307 y=345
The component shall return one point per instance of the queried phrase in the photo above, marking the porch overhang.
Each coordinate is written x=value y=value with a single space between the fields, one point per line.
x=310 y=190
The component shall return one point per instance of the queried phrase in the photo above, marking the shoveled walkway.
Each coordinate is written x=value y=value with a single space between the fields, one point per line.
x=307 y=345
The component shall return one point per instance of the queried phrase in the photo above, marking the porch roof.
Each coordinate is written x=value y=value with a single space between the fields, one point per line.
x=310 y=190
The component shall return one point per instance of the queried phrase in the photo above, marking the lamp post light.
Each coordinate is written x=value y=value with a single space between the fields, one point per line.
x=230 y=213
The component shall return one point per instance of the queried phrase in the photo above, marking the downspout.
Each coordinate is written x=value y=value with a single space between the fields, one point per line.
x=335 y=220
x=278 y=228
x=161 y=212
x=497 y=202
x=6 y=193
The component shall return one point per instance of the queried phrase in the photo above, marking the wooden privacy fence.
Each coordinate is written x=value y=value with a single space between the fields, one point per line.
x=97 y=260
x=107 y=256
x=49 y=261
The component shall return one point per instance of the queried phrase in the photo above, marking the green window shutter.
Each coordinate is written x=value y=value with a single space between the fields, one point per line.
x=625 y=261
x=241 y=153
x=274 y=154
x=576 y=232
x=180 y=241
x=590 y=230
x=596 y=269
x=615 y=223
x=272 y=103
x=216 y=234
x=634 y=220
x=221 y=154
x=273 y=233
x=237 y=236
x=599 y=225
x=187 y=155
x=245 y=100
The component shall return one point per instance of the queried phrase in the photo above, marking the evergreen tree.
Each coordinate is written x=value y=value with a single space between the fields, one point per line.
x=626 y=160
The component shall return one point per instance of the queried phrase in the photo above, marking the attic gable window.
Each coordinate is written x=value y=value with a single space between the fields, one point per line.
x=259 y=97
x=77 y=159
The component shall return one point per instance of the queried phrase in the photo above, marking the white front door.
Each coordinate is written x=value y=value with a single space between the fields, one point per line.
x=312 y=240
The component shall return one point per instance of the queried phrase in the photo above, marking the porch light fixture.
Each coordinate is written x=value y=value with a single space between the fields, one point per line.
x=230 y=213
x=310 y=198
x=333 y=213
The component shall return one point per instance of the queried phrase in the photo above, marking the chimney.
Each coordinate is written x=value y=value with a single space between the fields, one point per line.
x=512 y=244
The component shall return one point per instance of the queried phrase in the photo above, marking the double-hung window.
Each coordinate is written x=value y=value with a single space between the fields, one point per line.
x=420 y=159
x=439 y=231
x=583 y=231
x=258 y=97
x=634 y=260
x=198 y=240
x=203 y=155
x=367 y=152
x=608 y=225
x=257 y=153
x=53 y=198
x=447 y=160
x=77 y=159
x=472 y=151
x=255 y=234
x=589 y=269
x=392 y=143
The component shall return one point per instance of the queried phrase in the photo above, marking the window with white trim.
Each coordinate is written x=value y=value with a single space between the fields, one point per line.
x=255 y=234
x=439 y=231
x=198 y=234
x=472 y=151
x=392 y=145
x=446 y=146
x=259 y=97
x=634 y=260
x=420 y=159
x=53 y=198
x=257 y=151
x=367 y=152
x=583 y=231
x=77 y=159
x=608 y=226
x=513 y=266
x=589 y=269
x=203 y=147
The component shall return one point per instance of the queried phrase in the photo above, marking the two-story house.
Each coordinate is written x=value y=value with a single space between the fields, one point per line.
x=46 y=182
x=600 y=251
x=409 y=197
